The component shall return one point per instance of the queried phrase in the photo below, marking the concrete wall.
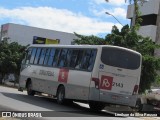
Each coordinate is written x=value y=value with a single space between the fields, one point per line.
x=148 y=31
x=24 y=34
x=150 y=7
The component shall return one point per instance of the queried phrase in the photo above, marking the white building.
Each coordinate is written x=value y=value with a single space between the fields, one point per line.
x=150 y=12
x=150 y=26
x=24 y=34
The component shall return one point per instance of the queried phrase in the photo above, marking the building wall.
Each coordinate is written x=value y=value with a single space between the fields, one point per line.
x=24 y=34
x=157 y=52
x=147 y=8
x=148 y=31
x=150 y=15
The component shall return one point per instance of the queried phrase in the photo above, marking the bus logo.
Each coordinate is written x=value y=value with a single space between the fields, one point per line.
x=101 y=66
x=63 y=75
x=106 y=82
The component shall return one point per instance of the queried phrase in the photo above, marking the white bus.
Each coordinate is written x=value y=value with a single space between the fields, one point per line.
x=96 y=74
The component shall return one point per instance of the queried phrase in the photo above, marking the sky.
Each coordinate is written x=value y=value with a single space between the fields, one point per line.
x=86 y=17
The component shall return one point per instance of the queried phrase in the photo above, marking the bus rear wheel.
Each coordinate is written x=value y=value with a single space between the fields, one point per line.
x=29 y=89
x=61 y=95
x=96 y=106
x=139 y=105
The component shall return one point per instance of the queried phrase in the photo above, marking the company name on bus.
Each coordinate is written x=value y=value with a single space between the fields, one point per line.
x=120 y=75
x=46 y=73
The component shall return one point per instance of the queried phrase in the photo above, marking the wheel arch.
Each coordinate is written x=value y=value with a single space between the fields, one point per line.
x=59 y=87
x=27 y=81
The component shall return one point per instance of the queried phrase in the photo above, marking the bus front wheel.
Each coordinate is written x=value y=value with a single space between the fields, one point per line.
x=96 y=106
x=61 y=95
x=29 y=89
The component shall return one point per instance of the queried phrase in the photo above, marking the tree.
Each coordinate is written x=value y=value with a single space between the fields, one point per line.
x=90 y=40
x=11 y=55
x=130 y=1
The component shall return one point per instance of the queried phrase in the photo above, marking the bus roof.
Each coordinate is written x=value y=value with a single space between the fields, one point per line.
x=82 y=46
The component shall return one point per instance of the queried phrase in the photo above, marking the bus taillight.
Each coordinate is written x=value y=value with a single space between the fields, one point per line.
x=135 y=91
x=96 y=81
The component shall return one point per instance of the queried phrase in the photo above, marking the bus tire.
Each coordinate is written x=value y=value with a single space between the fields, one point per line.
x=61 y=95
x=96 y=106
x=29 y=89
x=139 y=105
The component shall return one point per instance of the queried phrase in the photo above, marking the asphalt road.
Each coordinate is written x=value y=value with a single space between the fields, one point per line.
x=14 y=101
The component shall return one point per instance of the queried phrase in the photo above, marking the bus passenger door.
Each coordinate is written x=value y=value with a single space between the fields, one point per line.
x=81 y=61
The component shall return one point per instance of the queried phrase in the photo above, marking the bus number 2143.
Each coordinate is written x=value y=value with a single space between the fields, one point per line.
x=117 y=84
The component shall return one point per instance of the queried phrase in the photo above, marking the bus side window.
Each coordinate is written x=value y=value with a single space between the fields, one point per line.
x=68 y=58
x=33 y=55
x=51 y=56
x=92 y=59
x=28 y=56
x=56 y=57
x=74 y=57
x=37 y=56
x=46 y=56
x=42 y=56
x=62 y=58
x=85 y=60
x=79 y=59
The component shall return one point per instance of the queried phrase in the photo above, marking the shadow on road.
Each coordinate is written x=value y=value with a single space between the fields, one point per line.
x=51 y=104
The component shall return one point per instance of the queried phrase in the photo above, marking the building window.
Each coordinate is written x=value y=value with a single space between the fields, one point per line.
x=149 y=20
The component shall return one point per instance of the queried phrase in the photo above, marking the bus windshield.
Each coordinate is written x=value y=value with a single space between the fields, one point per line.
x=121 y=58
